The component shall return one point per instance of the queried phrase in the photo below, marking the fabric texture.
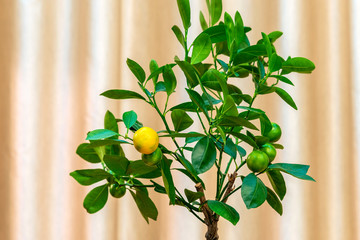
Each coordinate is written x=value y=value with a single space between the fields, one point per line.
x=56 y=57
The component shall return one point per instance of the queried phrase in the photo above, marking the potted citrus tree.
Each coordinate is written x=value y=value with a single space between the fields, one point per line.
x=229 y=125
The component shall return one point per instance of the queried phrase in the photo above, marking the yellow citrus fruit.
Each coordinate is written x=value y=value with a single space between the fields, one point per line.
x=146 y=140
x=152 y=158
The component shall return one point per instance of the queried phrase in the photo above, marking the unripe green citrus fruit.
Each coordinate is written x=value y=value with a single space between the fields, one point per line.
x=257 y=161
x=275 y=133
x=152 y=158
x=269 y=150
x=117 y=191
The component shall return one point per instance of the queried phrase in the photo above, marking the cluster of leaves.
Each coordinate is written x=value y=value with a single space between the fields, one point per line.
x=225 y=112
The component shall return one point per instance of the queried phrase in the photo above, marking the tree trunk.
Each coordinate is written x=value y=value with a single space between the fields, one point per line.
x=212 y=232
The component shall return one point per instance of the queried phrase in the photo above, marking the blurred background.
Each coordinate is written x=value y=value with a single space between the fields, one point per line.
x=56 y=57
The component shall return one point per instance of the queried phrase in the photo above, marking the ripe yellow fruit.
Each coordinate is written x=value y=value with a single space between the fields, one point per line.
x=146 y=140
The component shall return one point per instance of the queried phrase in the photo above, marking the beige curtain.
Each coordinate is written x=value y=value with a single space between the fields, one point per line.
x=57 y=56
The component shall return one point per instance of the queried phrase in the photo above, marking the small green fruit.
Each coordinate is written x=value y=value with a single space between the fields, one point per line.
x=269 y=150
x=257 y=161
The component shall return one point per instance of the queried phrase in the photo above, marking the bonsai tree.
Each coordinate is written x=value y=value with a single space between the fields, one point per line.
x=230 y=125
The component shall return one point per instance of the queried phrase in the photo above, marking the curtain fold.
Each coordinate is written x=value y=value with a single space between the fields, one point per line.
x=56 y=57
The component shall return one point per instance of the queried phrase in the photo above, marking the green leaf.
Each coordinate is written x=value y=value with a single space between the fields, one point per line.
x=244 y=138
x=145 y=205
x=96 y=199
x=229 y=29
x=193 y=196
x=286 y=97
x=117 y=164
x=273 y=36
x=214 y=79
x=216 y=33
x=215 y=11
x=160 y=87
x=201 y=49
x=190 y=73
x=253 y=191
x=129 y=119
x=274 y=201
x=265 y=123
x=256 y=110
x=183 y=135
x=181 y=120
x=169 y=80
x=229 y=108
x=106 y=142
x=88 y=154
x=203 y=22
x=224 y=210
x=241 y=151
x=153 y=67
x=282 y=79
x=296 y=170
x=278 y=146
x=179 y=35
x=168 y=180
x=275 y=63
x=239 y=30
x=184 y=9
x=186 y=106
x=100 y=134
x=267 y=44
x=298 y=64
x=110 y=122
x=140 y=170
x=121 y=94
x=277 y=182
x=236 y=121
x=136 y=69
x=250 y=54
x=204 y=155
x=196 y=98
x=158 y=188
x=87 y=177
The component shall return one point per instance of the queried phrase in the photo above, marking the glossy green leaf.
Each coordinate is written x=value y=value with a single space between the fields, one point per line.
x=201 y=48
x=186 y=106
x=96 y=199
x=190 y=73
x=154 y=67
x=169 y=80
x=136 y=69
x=145 y=205
x=296 y=170
x=89 y=176
x=179 y=35
x=181 y=120
x=110 y=122
x=253 y=191
x=286 y=97
x=273 y=36
x=196 y=98
x=298 y=64
x=193 y=196
x=224 y=210
x=277 y=182
x=236 y=121
x=215 y=11
x=189 y=170
x=278 y=146
x=204 y=155
x=282 y=79
x=121 y=94
x=184 y=9
x=267 y=44
x=167 y=179
x=241 y=151
x=183 y=135
x=244 y=138
x=239 y=30
x=229 y=29
x=216 y=33
x=117 y=164
x=203 y=22
x=274 y=201
x=129 y=118
x=275 y=63
x=229 y=108
x=88 y=154
x=100 y=134
x=106 y=142
x=140 y=170
x=250 y=54
x=158 y=188
x=160 y=87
